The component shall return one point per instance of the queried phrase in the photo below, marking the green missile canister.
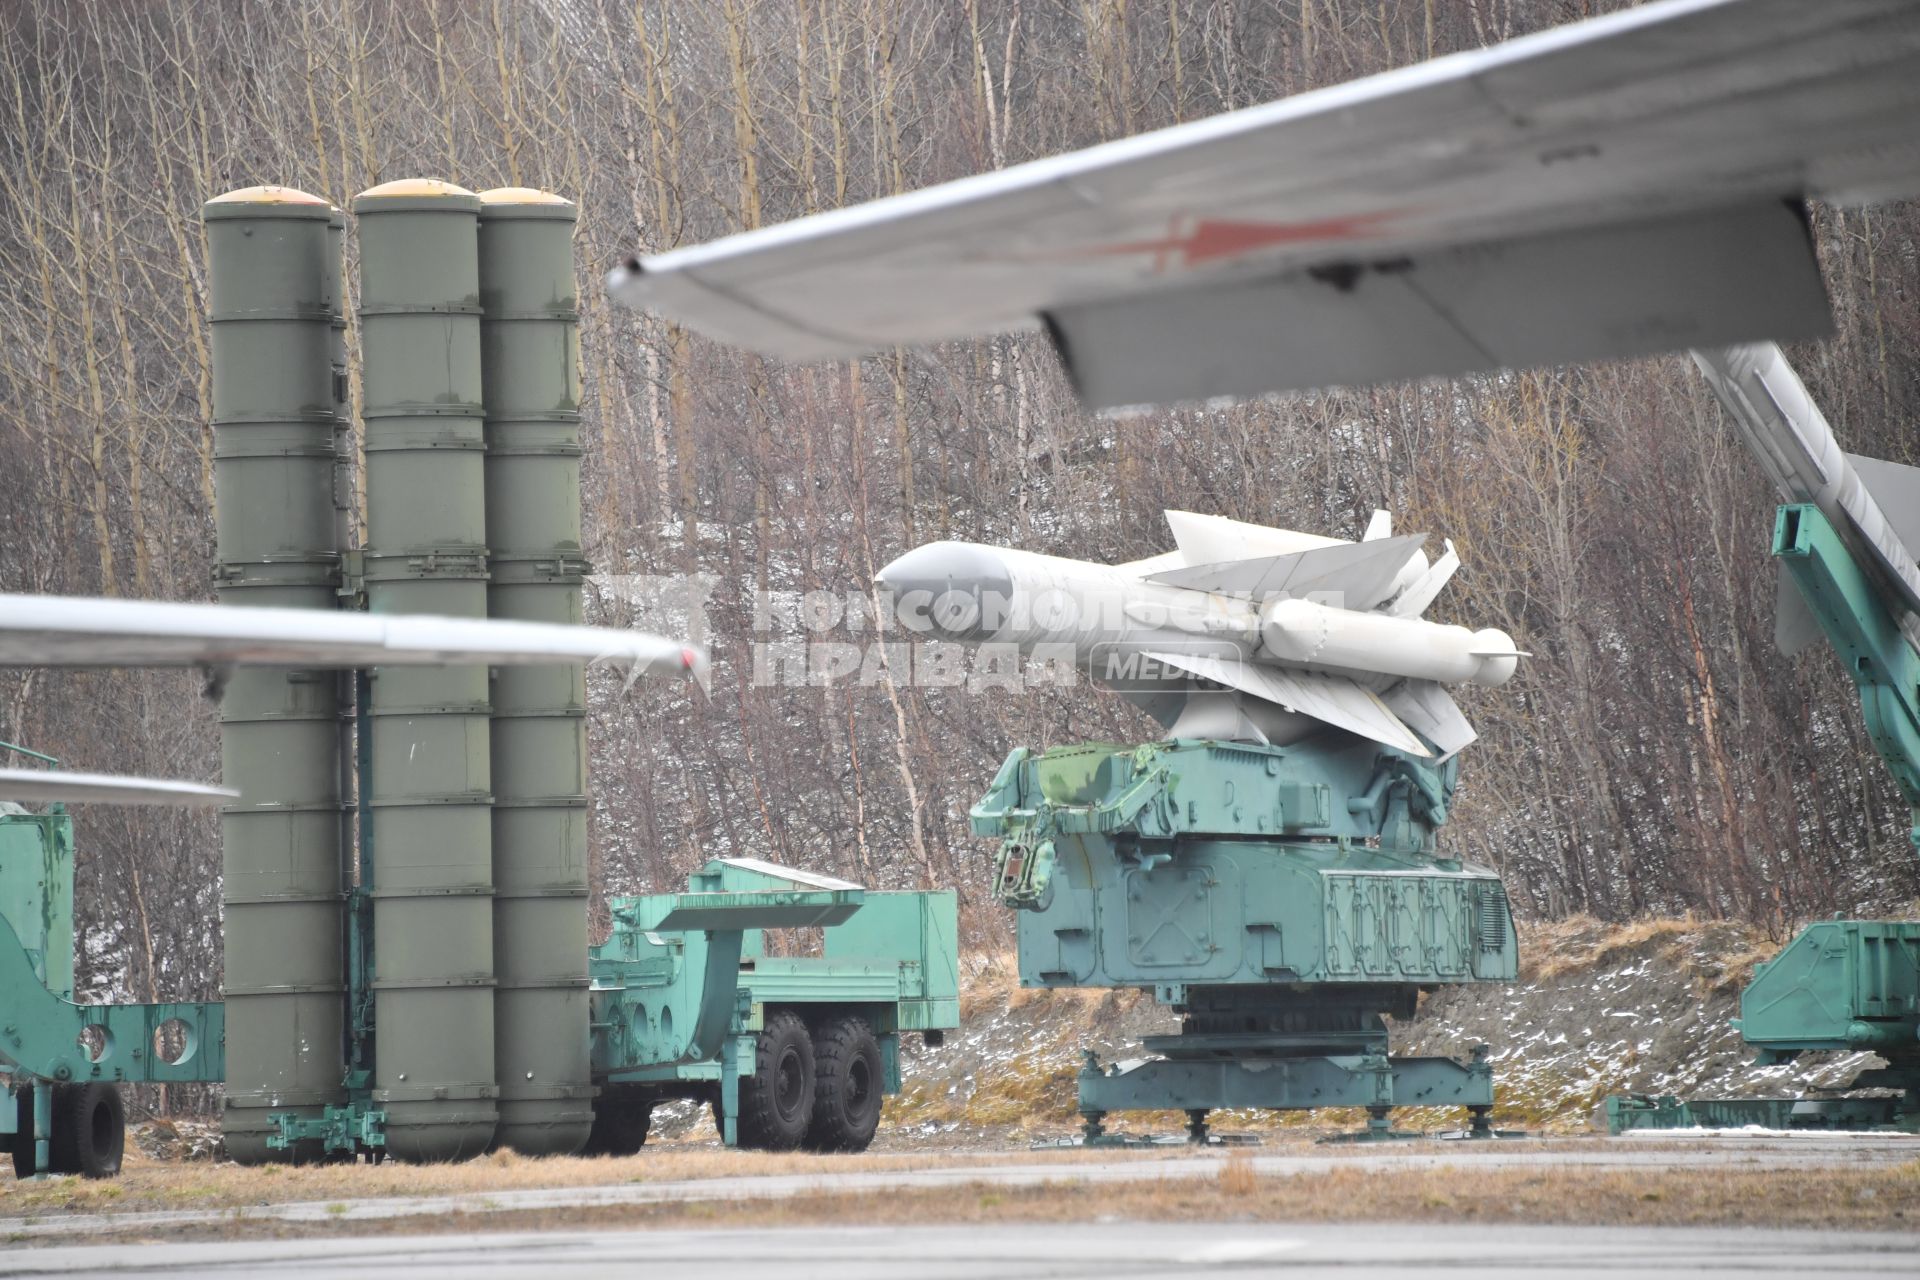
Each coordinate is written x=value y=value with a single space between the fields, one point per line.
x=530 y=356
x=274 y=280
x=430 y=801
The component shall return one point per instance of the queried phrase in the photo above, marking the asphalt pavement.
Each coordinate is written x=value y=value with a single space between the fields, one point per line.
x=1093 y=1251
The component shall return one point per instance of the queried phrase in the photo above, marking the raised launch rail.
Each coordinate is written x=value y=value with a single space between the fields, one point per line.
x=1843 y=538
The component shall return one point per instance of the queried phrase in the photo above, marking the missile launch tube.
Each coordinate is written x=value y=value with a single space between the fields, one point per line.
x=1786 y=432
x=430 y=802
x=274 y=284
x=530 y=367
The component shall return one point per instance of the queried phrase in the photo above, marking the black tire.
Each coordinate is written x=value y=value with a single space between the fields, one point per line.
x=848 y=1086
x=89 y=1130
x=776 y=1102
x=23 y=1144
x=620 y=1125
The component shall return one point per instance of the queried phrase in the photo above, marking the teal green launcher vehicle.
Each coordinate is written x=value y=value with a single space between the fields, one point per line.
x=1283 y=901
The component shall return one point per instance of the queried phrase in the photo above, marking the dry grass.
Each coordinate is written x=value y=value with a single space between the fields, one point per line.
x=1237 y=1177
x=1875 y=1198
x=1715 y=955
x=150 y=1184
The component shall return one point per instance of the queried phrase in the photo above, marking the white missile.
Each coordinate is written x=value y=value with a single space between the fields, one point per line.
x=1874 y=505
x=1245 y=632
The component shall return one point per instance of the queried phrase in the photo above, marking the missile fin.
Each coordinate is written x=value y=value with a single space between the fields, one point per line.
x=1896 y=487
x=1219 y=714
x=1333 y=699
x=1164 y=705
x=1429 y=710
x=1360 y=572
x=1205 y=539
x=1413 y=602
x=1153 y=564
x=1380 y=526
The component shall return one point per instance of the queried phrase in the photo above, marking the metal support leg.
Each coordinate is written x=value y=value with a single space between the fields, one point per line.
x=42 y=1128
x=1197 y=1126
x=730 y=1093
x=1091 y=1126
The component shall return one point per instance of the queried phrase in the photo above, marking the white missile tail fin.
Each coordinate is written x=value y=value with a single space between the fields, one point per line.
x=1334 y=700
x=1153 y=564
x=1380 y=526
x=1429 y=710
x=1896 y=487
x=1205 y=539
x=1164 y=705
x=1360 y=573
x=1220 y=715
x=1413 y=602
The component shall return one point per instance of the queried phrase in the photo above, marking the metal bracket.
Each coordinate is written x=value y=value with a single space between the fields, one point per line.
x=347 y=1129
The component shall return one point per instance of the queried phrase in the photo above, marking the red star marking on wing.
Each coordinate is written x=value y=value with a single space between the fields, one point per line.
x=1207 y=240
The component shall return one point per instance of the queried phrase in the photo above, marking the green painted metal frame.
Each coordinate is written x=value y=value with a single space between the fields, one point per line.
x=1280 y=899
x=1850 y=984
x=1840 y=985
x=699 y=955
x=1853 y=614
x=41 y=1037
x=1375 y=1081
x=45 y=1037
x=1626 y=1112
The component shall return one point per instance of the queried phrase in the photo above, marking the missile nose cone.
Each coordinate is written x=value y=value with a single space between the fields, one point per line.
x=627 y=283
x=1499 y=658
x=954 y=590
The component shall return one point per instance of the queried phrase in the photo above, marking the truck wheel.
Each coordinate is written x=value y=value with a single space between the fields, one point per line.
x=776 y=1102
x=619 y=1126
x=22 y=1141
x=89 y=1130
x=847 y=1086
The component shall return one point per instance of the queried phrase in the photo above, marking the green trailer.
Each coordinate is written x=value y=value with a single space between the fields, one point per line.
x=790 y=1051
x=61 y=1063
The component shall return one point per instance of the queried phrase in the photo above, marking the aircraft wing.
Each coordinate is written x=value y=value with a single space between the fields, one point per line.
x=70 y=631
x=1620 y=186
x=105 y=788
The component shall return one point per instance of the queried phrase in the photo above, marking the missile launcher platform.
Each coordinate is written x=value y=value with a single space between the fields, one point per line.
x=1283 y=900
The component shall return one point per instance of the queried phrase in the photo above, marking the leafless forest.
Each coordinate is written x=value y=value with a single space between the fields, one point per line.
x=1655 y=756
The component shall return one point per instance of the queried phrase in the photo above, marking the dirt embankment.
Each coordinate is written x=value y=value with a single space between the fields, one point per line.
x=1598 y=1009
